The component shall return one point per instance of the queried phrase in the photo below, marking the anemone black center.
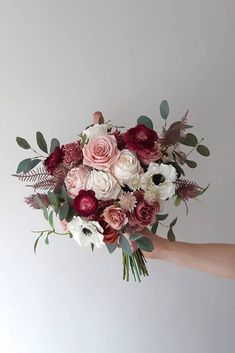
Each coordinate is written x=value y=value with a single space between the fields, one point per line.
x=158 y=179
x=86 y=231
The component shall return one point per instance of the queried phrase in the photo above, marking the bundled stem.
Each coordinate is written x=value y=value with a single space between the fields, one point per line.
x=137 y=263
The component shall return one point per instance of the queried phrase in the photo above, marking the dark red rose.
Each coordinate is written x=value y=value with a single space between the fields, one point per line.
x=53 y=160
x=85 y=204
x=144 y=213
x=120 y=139
x=110 y=235
x=140 y=138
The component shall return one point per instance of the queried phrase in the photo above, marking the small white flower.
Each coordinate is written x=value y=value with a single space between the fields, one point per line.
x=103 y=184
x=96 y=130
x=160 y=178
x=86 y=232
x=135 y=183
x=126 y=167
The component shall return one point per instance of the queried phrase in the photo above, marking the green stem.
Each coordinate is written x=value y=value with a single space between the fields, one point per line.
x=202 y=139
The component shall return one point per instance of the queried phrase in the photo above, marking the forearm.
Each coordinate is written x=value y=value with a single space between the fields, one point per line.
x=218 y=259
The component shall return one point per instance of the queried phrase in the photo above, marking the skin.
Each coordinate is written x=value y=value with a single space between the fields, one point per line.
x=217 y=259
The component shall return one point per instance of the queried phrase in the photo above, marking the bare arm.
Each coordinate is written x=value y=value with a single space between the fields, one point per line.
x=218 y=259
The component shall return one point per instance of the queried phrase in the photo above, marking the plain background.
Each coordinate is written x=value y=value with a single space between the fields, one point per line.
x=59 y=62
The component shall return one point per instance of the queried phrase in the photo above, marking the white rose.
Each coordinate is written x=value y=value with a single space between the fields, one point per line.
x=103 y=184
x=96 y=130
x=161 y=178
x=126 y=167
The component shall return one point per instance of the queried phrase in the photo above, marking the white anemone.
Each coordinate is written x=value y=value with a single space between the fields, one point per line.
x=161 y=178
x=86 y=232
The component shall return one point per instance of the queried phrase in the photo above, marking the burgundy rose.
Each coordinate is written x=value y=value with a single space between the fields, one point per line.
x=141 y=139
x=85 y=204
x=54 y=159
x=144 y=213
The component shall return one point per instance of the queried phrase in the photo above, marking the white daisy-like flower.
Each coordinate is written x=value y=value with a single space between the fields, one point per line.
x=127 y=201
x=135 y=182
x=161 y=178
x=86 y=233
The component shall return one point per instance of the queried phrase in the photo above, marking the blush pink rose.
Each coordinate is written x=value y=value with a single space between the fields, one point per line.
x=101 y=152
x=115 y=217
x=144 y=213
x=76 y=180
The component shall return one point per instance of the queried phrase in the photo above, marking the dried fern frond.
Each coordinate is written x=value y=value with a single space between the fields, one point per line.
x=173 y=135
x=47 y=184
x=30 y=200
x=38 y=174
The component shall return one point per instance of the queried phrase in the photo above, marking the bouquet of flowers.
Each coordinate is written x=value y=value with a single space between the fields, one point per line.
x=110 y=184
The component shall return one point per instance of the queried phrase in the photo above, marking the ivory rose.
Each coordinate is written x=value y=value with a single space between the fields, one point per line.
x=103 y=184
x=115 y=217
x=101 y=152
x=76 y=180
x=126 y=167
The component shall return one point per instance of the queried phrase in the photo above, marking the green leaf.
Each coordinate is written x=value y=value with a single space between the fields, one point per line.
x=53 y=199
x=101 y=120
x=177 y=201
x=178 y=168
x=70 y=215
x=164 y=109
x=162 y=217
x=23 y=143
x=54 y=143
x=36 y=243
x=154 y=228
x=188 y=126
x=170 y=235
x=173 y=222
x=41 y=142
x=189 y=140
x=135 y=236
x=64 y=209
x=203 y=150
x=145 y=244
x=145 y=121
x=111 y=247
x=191 y=164
x=92 y=246
x=42 y=206
x=64 y=193
x=47 y=239
x=24 y=165
x=50 y=219
x=125 y=245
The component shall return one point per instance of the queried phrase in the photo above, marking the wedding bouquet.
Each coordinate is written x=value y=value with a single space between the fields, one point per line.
x=110 y=184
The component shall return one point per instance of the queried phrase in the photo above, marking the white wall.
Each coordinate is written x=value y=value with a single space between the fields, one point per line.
x=59 y=62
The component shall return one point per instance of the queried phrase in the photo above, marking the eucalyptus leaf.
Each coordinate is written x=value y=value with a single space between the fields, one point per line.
x=178 y=169
x=173 y=222
x=36 y=243
x=154 y=228
x=64 y=193
x=191 y=164
x=50 y=219
x=135 y=236
x=41 y=142
x=53 y=199
x=164 y=109
x=189 y=140
x=70 y=215
x=54 y=143
x=24 y=165
x=145 y=244
x=145 y=121
x=203 y=150
x=47 y=239
x=170 y=235
x=23 y=143
x=63 y=211
x=162 y=217
x=111 y=247
x=125 y=245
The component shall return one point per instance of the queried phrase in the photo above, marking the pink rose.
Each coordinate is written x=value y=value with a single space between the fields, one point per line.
x=115 y=217
x=76 y=180
x=148 y=157
x=101 y=152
